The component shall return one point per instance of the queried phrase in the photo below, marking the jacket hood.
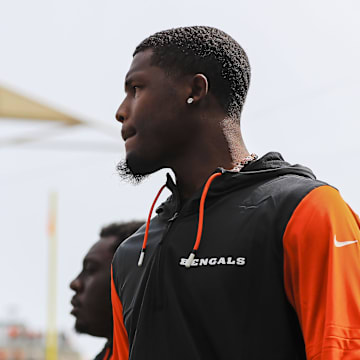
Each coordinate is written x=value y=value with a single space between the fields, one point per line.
x=274 y=164
x=269 y=166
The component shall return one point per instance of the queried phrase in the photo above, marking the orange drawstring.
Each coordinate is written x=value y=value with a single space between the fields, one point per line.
x=200 y=223
x=107 y=353
x=142 y=253
x=201 y=219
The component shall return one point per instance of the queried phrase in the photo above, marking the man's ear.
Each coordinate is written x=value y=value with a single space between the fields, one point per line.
x=199 y=88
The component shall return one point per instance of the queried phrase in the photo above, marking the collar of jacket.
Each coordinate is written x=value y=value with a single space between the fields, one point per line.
x=269 y=166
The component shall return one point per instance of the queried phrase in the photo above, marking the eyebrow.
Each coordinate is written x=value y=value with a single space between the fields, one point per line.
x=128 y=81
x=133 y=76
x=89 y=260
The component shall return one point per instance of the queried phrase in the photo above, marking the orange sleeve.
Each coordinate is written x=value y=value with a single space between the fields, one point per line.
x=120 y=336
x=322 y=274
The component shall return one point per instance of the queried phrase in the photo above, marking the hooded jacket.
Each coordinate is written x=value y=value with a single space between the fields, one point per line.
x=276 y=275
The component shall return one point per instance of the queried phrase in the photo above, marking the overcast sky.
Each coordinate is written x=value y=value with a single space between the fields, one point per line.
x=73 y=55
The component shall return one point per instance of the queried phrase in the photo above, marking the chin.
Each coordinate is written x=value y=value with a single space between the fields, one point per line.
x=135 y=168
x=141 y=166
x=81 y=328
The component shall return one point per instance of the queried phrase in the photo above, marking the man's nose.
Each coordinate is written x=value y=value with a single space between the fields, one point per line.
x=121 y=114
x=75 y=284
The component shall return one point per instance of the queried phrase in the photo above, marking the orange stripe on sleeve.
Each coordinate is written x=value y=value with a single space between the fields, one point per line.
x=120 y=337
x=322 y=274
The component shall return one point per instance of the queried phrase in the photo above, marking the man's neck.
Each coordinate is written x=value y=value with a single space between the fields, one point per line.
x=193 y=171
x=218 y=143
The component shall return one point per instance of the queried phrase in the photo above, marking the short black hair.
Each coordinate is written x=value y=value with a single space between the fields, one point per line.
x=206 y=50
x=120 y=230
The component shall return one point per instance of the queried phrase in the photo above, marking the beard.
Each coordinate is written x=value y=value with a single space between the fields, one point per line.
x=127 y=175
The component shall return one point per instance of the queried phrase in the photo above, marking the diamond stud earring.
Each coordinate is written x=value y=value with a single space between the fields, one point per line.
x=190 y=100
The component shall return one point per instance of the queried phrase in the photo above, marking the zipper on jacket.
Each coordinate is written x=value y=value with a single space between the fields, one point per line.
x=174 y=217
x=168 y=226
x=161 y=298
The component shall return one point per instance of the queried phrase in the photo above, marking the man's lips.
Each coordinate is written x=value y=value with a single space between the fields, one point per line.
x=127 y=133
x=74 y=311
x=76 y=305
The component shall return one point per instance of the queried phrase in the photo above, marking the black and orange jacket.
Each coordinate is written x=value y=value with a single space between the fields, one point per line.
x=106 y=352
x=276 y=276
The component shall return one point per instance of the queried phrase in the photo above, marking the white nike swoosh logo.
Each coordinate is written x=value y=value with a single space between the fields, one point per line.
x=343 y=243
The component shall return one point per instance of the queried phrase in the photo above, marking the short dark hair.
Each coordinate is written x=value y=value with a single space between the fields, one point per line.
x=120 y=230
x=206 y=50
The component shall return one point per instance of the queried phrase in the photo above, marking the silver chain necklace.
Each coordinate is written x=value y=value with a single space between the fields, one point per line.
x=238 y=166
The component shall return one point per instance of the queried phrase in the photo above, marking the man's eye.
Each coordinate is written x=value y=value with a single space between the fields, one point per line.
x=90 y=268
